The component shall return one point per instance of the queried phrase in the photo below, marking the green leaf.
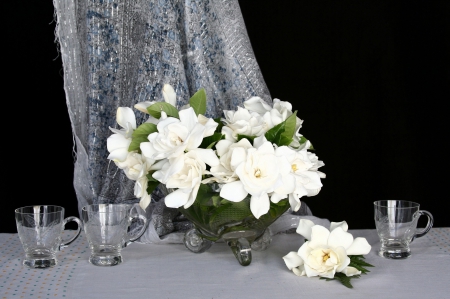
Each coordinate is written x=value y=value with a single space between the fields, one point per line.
x=210 y=141
x=155 y=110
x=152 y=186
x=357 y=261
x=198 y=102
x=289 y=127
x=220 y=124
x=274 y=134
x=342 y=278
x=140 y=135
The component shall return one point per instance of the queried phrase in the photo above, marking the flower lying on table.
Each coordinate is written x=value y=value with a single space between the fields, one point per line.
x=254 y=151
x=329 y=254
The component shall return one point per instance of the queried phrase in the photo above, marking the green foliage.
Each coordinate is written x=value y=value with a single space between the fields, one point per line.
x=140 y=135
x=155 y=110
x=210 y=141
x=342 y=278
x=356 y=261
x=290 y=123
x=198 y=102
x=152 y=182
x=220 y=124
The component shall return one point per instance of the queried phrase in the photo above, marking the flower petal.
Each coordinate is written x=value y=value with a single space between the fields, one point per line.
x=145 y=201
x=360 y=246
x=169 y=94
x=339 y=237
x=257 y=104
x=177 y=199
x=304 y=228
x=292 y=260
x=342 y=224
x=343 y=259
x=300 y=271
x=233 y=191
x=259 y=205
x=350 y=271
x=124 y=116
x=319 y=236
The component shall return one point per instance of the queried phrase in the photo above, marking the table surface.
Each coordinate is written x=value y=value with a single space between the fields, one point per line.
x=171 y=271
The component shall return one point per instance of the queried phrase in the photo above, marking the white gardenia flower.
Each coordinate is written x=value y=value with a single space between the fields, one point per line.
x=185 y=172
x=175 y=136
x=118 y=143
x=303 y=172
x=231 y=155
x=133 y=166
x=259 y=174
x=326 y=252
x=243 y=122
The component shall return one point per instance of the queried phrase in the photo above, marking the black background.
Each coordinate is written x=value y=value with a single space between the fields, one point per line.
x=370 y=79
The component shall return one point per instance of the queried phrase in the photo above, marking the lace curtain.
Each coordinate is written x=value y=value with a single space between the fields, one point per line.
x=120 y=52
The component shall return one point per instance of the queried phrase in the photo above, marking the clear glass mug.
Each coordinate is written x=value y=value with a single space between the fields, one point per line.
x=107 y=230
x=396 y=224
x=40 y=231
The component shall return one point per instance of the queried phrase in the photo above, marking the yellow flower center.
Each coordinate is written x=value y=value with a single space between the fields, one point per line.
x=294 y=167
x=257 y=173
x=325 y=257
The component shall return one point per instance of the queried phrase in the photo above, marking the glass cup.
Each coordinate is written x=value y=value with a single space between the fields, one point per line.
x=40 y=229
x=107 y=231
x=396 y=224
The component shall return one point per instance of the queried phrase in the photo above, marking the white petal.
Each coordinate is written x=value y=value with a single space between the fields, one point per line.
x=258 y=141
x=222 y=146
x=208 y=156
x=344 y=260
x=304 y=228
x=276 y=197
x=292 y=260
x=142 y=106
x=169 y=94
x=319 y=236
x=233 y=191
x=360 y=246
x=188 y=118
x=342 y=224
x=176 y=199
x=145 y=201
x=304 y=251
x=350 y=271
x=300 y=271
x=124 y=116
x=295 y=202
x=259 y=205
x=257 y=104
x=340 y=238
x=311 y=272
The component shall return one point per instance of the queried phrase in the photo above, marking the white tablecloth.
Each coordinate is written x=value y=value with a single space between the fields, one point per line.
x=171 y=271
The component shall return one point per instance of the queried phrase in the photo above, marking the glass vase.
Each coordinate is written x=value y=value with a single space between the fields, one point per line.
x=215 y=218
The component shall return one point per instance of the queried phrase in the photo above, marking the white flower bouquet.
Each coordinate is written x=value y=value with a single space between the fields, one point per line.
x=256 y=150
x=238 y=172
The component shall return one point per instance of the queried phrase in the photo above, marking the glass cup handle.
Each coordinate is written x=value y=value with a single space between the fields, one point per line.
x=427 y=228
x=66 y=243
x=140 y=233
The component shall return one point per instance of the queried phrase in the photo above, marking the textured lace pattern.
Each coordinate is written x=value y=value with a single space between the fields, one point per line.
x=118 y=53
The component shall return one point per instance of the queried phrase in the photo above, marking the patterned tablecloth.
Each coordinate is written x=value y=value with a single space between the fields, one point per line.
x=171 y=271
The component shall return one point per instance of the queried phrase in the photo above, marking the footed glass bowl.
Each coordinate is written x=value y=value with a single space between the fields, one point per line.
x=216 y=218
